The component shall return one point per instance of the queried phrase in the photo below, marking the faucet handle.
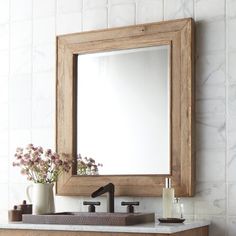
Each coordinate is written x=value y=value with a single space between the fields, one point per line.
x=91 y=205
x=130 y=206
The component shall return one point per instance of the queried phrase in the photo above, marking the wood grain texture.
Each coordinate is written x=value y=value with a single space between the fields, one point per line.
x=202 y=231
x=179 y=34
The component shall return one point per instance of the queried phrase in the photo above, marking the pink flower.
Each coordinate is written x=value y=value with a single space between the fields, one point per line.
x=40 y=166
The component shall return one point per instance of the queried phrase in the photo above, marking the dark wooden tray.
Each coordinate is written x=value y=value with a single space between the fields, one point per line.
x=171 y=220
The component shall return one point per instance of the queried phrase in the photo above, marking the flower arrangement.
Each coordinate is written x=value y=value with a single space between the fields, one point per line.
x=40 y=166
x=87 y=166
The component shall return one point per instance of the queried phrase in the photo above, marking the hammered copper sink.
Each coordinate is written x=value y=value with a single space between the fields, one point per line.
x=87 y=218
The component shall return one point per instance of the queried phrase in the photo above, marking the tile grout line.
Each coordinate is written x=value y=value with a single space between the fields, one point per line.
x=226 y=117
x=31 y=71
x=8 y=127
x=194 y=11
x=55 y=73
x=163 y=10
x=55 y=15
x=82 y=16
x=108 y=13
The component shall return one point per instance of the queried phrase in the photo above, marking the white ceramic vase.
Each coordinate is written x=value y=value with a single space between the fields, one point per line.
x=41 y=197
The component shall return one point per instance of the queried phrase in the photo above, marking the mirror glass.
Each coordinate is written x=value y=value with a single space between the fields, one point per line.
x=123 y=111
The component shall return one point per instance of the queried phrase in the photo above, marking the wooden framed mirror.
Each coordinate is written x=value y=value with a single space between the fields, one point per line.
x=138 y=53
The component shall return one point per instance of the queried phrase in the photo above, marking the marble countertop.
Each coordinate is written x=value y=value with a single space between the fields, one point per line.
x=141 y=228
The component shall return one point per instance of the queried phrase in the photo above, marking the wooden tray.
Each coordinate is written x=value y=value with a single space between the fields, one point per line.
x=171 y=220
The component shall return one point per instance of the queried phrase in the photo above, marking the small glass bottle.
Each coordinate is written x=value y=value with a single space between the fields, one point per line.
x=167 y=199
x=178 y=208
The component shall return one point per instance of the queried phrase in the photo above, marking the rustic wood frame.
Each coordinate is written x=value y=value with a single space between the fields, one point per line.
x=177 y=33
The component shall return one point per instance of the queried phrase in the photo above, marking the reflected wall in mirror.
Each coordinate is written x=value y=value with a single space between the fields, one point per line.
x=151 y=109
x=123 y=111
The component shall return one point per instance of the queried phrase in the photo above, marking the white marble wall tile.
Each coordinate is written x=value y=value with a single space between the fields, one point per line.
x=43 y=114
x=44 y=8
x=44 y=137
x=188 y=207
x=44 y=31
x=231 y=8
x=210 y=132
x=21 y=10
x=4 y=137
x=4 y=197
x=4 y=122
x=189 y=217
x=174 y=9
x=210 y=69
x=4 y=11
x=20 y=88
x=122 y=1
x=210 y=106
x=209 y=36
x=4 y=88
x=4 y=36
x=210 y=199
x=231 y=163
x=44 y=56
x=121 y=15
x=4 y=62
x=151 y=204
x=210 y=99
x=93 y=4
x=63 y=6
x=4 y=170
x=210 y=165
x=231 y=199
x=232 y=99
x=3 y=215
x=21 y=62
x=69 y=23
x=154 y=9
x=95 y=18
x=231 y=141
x=231 y=67
x=17 y=193
x=66 y=203
x=231 y=34
x=210 y=9
x=20 y=114
x=21 y=34
x=17 y=138
x=231 y=226
x=43 y=86
x=217 y=226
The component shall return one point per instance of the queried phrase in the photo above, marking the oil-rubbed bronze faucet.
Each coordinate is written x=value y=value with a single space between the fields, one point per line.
x=110 y=189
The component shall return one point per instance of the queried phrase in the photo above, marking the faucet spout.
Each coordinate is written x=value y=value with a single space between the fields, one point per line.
x=110 y=189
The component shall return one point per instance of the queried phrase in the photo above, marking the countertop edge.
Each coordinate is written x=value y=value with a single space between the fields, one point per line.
x=142 y=228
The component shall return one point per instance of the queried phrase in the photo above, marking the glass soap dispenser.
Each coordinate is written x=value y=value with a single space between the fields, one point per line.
x=167 y=199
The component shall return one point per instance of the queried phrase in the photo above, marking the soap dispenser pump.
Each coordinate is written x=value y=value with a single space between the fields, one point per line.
x=167 y=199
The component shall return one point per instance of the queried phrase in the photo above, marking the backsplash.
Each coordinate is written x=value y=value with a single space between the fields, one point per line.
x=27 y=92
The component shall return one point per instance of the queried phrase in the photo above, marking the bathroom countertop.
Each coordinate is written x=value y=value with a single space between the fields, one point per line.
x=141 y=228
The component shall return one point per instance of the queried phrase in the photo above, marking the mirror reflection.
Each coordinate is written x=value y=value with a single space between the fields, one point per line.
x=123 y=112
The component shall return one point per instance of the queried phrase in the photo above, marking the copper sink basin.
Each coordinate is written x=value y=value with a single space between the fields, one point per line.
x=85 y=218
